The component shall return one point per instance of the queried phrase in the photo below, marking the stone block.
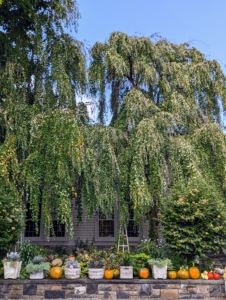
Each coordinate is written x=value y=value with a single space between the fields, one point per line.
x=56 y=287
x=155 y=293
x=82 y=297
x=104 y=287
x=160 y=286
x=202 y=289
x=30 y=289
x=7 y=288
x=17 y=290
x=191 y=296
x=185 y=296
x=71 y=286
x=144 y=289
x=54 y=294
x=122 y=295
x=92 y=288
x=192 y=290
x=131 y=287
x=197 y=296
x=183 y=286
x=215 y=291
x=182 y=291
x=110 y=295
x=171 y=294
x=80 y=290
x=118 y=287
x=173 y=286
x=133 y=293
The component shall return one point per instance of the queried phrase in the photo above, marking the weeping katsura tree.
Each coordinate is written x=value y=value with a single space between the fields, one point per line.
x=168 y=100
x=42 y=71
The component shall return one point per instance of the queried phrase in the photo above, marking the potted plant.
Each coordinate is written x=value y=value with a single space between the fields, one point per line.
x=12 y=265
x=111 y=266
x=96 y=269
x=140 y=262
x=37 y=267
x=72 y=269
x=126 y=267
x=159 y=263
x=56 y=272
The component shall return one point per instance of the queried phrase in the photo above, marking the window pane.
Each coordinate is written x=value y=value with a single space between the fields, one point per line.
x=106 y=228
x=59 y=229
x=30 y=225
x=132 y=229
x=104 y=217
x=30 y=229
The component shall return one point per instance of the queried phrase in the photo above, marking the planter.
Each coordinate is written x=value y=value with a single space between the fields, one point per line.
x=126 y=272
x=96 y=273
x=37 y=275
x=71 y=273
x=159 y=272
x=12 y=269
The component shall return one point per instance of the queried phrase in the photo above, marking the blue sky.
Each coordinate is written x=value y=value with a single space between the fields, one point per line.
x=200 y=21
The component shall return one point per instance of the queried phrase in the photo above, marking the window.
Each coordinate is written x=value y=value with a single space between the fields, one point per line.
x=132 y=229
x=59 y=229
x=106 y=227
x=30 y=228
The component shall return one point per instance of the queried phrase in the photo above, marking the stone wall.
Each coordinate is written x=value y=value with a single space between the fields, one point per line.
x=112 y=289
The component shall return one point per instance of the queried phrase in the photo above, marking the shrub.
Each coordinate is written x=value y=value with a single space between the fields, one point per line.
x=27 y=251
x=11 y=219
x=194 y=223
x=145 y=246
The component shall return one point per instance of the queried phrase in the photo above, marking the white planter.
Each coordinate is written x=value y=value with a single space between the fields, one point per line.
x=159 y=272
x=71 y=273
x=12 y=269
x=37 y=275
x=126 y=272
x=96 y=273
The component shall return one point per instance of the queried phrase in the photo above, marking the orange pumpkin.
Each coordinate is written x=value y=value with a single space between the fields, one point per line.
x=194 y=272
x=108 y=274
x=116 y=273
x=182 y=273
x=56 y=272
x=172 y=274
x=143 y=273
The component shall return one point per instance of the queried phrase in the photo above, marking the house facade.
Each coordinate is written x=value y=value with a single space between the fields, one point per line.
x=103 y=231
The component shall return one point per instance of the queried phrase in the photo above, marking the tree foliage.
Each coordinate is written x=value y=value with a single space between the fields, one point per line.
x=42 y=70
x=165 y=134
x=11 y=210
x=167 y=99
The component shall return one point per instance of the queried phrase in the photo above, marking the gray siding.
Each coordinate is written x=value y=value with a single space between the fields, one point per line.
x=86 y=229
x=144 y=230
